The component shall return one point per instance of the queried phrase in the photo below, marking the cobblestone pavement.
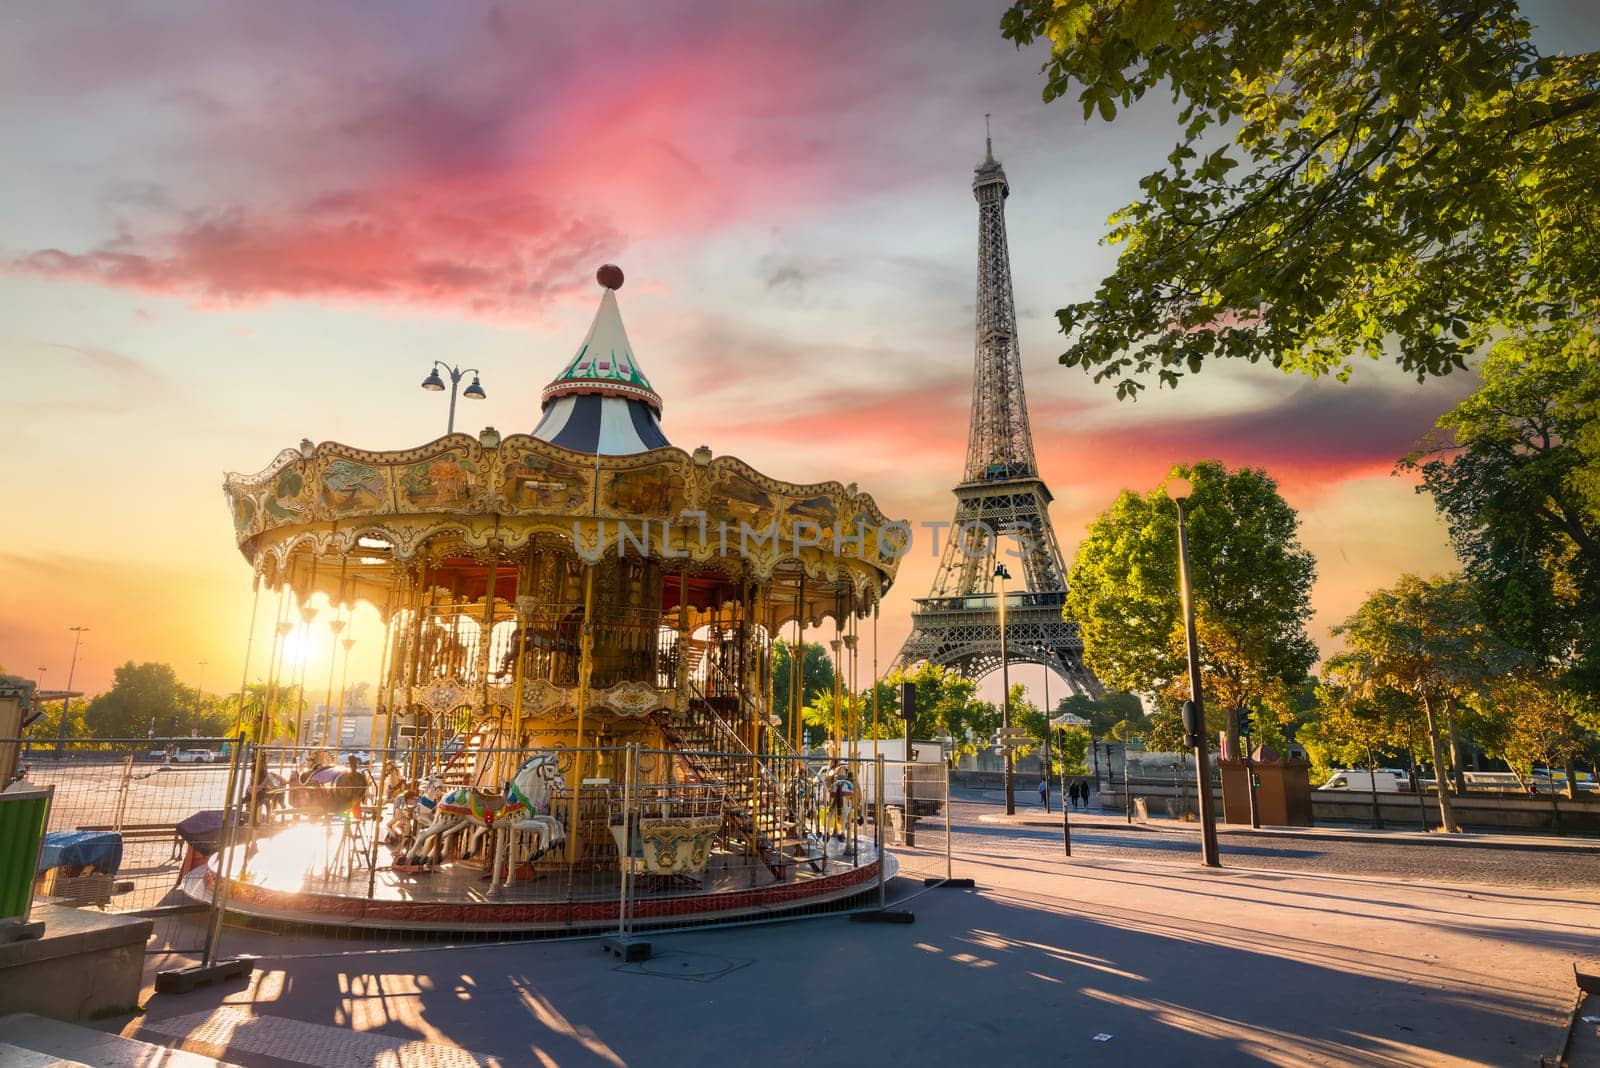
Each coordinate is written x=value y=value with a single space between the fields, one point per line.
x=1422 y=862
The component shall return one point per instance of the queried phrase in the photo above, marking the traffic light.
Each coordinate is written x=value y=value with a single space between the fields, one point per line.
x=1244 y=721
x=1192 y=727
x=908 y=701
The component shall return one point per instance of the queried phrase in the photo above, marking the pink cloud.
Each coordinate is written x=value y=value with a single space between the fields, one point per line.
x=503 y=195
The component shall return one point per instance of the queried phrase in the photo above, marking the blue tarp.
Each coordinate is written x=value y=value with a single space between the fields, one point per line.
x=101 y=849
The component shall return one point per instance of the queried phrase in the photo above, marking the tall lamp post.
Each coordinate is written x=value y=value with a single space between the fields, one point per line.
x=1179 y=489
x=199 y=687
x=66 y=702
x=434 y=383
x=1002 y=574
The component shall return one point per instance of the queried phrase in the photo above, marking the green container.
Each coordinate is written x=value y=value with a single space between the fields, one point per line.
x=24 y=814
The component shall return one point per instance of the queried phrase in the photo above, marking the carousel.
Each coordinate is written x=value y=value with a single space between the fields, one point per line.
x=575 y=711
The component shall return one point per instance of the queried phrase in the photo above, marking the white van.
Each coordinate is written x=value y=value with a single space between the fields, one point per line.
x=1383 y=782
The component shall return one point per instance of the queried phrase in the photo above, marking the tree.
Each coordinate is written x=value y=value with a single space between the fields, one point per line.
x=144 y=699
x=947 y=707
x=1515 y=472
x=1425 y=638
x=1104 y=713
x=1345 y=174
x=816 y=679
x=1252 y=589
x=1543 y=724
x=1355 y=729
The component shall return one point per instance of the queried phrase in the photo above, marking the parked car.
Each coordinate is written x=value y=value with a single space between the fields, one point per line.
x=194 y=756
x=1381 y=781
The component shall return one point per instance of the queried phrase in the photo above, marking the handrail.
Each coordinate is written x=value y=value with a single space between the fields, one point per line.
x=728 y=733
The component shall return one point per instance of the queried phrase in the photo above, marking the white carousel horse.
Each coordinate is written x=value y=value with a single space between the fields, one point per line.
x=839 y=798
x=526 y=798
x=412 y=805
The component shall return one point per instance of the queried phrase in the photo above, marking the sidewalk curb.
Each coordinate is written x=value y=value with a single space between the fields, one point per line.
x=1464 y=841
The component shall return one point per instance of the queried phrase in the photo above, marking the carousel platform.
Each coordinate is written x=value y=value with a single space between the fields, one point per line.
x=277 y=889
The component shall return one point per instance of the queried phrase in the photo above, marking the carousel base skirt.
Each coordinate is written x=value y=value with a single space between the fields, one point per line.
x=457 y=897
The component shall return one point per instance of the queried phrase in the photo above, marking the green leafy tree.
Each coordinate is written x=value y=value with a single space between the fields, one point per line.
x=1425 y=638
x=1104 y=713
x=1252 y=595
x=1352 y=729
x=144 y=699
x=1345 y=174
x=1542 y=723
x=947 y=708
x=1515 y=472
x=816 y=678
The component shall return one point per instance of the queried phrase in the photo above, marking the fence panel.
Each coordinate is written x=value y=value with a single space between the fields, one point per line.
x=917 y=817
x=145 y=812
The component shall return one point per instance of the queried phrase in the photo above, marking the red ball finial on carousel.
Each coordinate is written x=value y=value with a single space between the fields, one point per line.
x=610 y=276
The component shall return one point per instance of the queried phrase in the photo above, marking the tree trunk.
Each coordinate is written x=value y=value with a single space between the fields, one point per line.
x=1372 y=784
x=1457 y=785
x=1572 y=780
x=1447 y=816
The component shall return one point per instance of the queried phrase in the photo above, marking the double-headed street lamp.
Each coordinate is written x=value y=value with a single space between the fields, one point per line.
x=1002 y=574
x=1179 y=489
x=474 y=390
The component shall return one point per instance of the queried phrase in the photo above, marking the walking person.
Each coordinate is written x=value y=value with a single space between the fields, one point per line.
x=1044 y=793
x=1072 y=793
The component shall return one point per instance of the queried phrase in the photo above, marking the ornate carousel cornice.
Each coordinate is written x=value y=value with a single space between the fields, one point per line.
x=492 y=493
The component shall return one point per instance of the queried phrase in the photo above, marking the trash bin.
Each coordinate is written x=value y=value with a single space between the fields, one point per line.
x=1141 y=810
x=24 y=814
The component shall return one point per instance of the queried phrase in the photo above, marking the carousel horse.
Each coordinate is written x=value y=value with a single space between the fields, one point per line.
x=839 y=792
x=326 y=788
x=526 y=799
x=411 y=806
x=266 y=790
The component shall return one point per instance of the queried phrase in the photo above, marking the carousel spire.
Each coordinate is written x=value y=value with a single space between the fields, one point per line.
x=601 y=402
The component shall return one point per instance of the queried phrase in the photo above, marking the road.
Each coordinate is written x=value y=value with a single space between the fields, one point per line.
x=1165 y=840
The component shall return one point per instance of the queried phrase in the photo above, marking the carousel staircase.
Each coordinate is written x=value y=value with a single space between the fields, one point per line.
x=459 y=764
x=754 y=807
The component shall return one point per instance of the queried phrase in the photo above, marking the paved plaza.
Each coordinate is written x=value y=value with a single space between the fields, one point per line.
x=1167 y=961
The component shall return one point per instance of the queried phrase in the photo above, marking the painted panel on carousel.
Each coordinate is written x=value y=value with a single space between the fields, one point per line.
x=738 y=499
x=449 y=480
x=535 y=482
x=290 y=496
x=652 y=491
x=351 y=488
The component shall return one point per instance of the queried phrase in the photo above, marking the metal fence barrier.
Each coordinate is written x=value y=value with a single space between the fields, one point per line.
x=478 y=843
x=916 y=801
x=131 y=816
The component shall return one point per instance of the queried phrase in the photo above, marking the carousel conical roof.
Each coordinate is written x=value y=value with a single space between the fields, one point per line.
x=601 y=402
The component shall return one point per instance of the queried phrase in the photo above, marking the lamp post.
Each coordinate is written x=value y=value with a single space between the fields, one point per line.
x=1044 y=773
x=199 y=687
x=1002 y=574
x=1179 y=489
x=434 y=383
x=66 y=701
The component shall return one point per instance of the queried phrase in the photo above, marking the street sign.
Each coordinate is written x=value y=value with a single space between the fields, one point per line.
x=1012 y=732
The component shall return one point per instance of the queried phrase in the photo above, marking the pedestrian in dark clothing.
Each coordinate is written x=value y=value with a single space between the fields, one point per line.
x=1072 y=794
x=1083 y=792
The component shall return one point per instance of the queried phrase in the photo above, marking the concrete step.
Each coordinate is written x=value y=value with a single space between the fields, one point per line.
x=36 y=1042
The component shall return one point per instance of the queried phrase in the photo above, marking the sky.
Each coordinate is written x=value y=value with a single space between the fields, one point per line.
x=227 y=226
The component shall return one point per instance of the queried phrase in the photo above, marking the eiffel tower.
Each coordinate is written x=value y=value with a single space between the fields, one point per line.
x=1001 y=503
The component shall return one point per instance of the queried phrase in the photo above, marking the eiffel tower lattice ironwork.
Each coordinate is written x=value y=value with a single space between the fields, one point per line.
x=1001 y=503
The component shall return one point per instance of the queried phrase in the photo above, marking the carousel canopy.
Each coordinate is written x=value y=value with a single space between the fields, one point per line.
x=601 y=402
